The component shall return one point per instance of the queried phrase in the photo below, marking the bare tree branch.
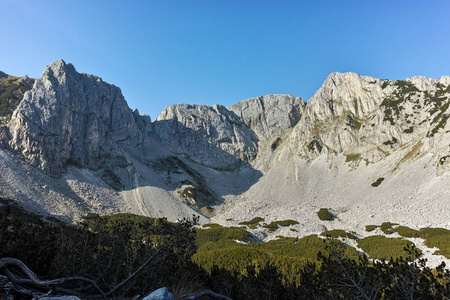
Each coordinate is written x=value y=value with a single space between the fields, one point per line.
x=33 y=279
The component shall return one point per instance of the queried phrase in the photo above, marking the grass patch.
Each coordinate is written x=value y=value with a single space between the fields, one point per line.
x=338 y=233
x=380 y=247
x=325 y=215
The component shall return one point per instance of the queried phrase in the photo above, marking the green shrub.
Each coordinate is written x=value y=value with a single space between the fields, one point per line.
x=325 y=215
x=442 y=242
x=337 y=233
x=220 y=237
x=387 y=227
x=380 y=247
x=352 y=157
x=407 y=232
x=370 y=228
x=275 y=224
x=429 y=232
x=212 y=225
x=253 y=223
x=108 y=248
x=271 y=227
x=275 y=144
x=378 y=182
x=286 y=223
x=437 y=237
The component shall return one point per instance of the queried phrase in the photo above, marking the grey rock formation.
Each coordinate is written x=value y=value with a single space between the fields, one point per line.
x=271 y=115
x=368 y=119
x=71 y=118
x=212 y=136
x=160 y=294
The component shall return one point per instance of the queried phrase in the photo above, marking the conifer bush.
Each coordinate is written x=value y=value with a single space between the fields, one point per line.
x=325 y=215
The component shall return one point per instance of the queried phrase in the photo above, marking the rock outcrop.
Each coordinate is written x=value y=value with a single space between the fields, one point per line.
x=271 y=115
x=212 y=136
x=71 y=118
x=368 y=119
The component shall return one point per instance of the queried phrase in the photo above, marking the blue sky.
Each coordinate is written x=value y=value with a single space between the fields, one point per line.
x=224 y=51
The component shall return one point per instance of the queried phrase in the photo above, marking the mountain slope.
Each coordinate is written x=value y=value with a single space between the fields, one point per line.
x=272 y=156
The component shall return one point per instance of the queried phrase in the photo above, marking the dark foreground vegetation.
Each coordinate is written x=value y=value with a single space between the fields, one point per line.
x=126 y=255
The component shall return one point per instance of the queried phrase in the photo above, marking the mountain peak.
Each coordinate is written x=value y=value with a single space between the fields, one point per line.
x=3 y=75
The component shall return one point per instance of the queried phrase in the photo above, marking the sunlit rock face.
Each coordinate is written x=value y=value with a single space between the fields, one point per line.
x=271 y=115
x=71 y=118
x=368 y=119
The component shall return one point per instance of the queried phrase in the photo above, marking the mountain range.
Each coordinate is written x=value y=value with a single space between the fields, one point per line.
x=369 y=150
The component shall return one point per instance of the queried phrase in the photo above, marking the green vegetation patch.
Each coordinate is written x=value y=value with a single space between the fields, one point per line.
x=380 y=247
x=437 y=237
x=218 y=237
x=338 y=233
x=112 y=247
x=377 y=182
x=325 y=215
x=253 y=223
x=288 y=255
x=388 y=227
x=275 y=144
x=370 y=228
x=353 y=157
x=407 y=232
x=11 y=93
x=393 y=104
x=273 y=226
x=212 y=225
x=391 y=142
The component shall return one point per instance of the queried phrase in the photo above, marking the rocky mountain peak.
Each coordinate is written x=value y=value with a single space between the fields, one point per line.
x=71 y=118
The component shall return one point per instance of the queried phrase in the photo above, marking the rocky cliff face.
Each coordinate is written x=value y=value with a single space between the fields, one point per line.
x=271 y=115
x=368 y=119
x=212 y=136
x=71 y=118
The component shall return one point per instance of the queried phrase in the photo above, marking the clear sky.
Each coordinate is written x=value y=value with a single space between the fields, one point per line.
x=224 y=51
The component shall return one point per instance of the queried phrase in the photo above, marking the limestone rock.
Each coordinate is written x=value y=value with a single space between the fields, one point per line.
x=368 y=119
x=160 y=294
x=212 y=136
x=71 y=118
x=271 y=115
